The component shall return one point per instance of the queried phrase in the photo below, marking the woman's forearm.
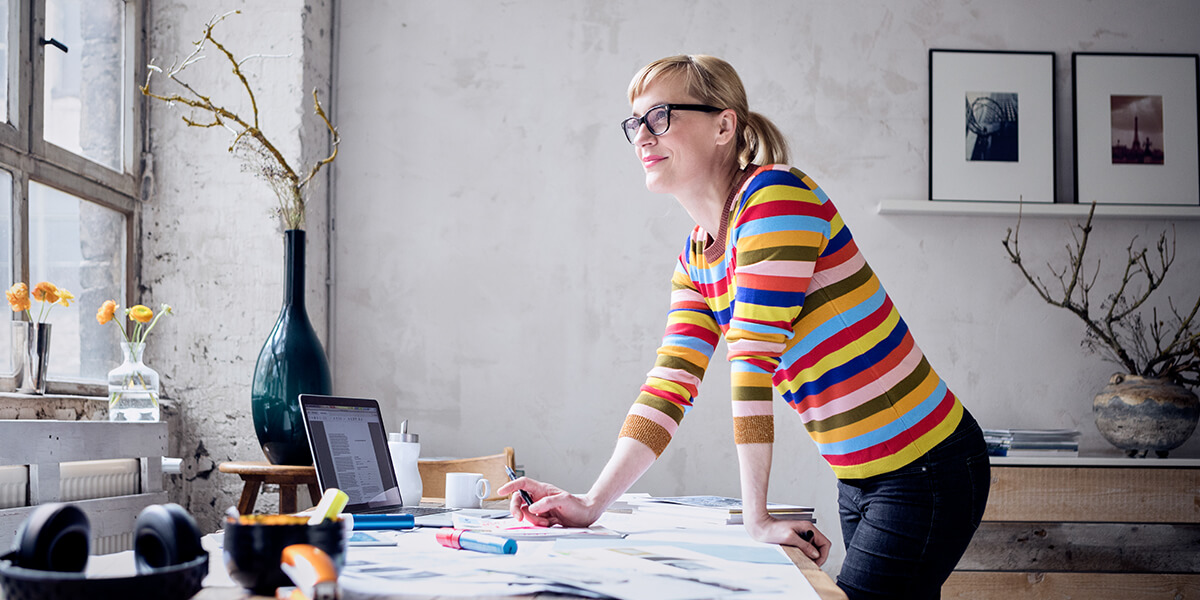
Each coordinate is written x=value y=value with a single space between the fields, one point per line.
x=754 y=461
x=629 y=461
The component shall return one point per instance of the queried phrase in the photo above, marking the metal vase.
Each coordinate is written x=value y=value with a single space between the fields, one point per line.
x=31 y=355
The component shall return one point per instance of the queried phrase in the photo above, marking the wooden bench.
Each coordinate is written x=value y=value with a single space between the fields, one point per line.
x=1089 y=528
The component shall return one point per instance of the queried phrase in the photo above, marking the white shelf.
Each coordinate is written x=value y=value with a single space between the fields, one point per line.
x=1030 y=209
x=1095 y=461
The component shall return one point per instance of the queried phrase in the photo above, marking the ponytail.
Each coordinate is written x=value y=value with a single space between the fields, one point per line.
x=761 y=142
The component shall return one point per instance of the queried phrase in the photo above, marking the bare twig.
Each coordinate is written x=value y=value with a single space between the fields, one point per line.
x=1163 y=349
x=258 y=152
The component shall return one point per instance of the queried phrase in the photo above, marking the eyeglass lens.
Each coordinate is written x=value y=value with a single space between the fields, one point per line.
x=657 y=120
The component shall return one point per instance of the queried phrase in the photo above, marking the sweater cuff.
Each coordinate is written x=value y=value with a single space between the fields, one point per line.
x=757 y=429
x=647 y=432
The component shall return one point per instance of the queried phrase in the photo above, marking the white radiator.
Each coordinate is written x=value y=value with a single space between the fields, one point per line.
x=82 y=480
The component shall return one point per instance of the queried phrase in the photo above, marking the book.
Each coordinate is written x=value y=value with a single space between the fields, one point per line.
x=1032 y=442
x=718 y=509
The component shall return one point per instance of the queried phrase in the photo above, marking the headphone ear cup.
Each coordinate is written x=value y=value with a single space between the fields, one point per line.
x=164 y=535
x=54 y=537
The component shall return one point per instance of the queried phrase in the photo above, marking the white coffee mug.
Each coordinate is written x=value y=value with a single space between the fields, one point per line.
x=466 y=490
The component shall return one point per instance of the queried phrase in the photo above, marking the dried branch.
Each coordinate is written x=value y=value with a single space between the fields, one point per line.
x=1167 y=349
x=258 y=153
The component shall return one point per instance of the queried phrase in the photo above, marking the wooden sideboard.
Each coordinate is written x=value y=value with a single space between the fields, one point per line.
x=1086 y=528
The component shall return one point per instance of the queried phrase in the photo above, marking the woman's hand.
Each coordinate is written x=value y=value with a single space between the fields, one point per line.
x=551 y=505
x=770 y=530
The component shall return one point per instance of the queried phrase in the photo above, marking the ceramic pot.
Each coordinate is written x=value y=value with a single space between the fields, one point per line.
x=1140 y=414
x=292 y=362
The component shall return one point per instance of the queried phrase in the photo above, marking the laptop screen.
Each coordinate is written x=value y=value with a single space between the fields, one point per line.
x=350 y=450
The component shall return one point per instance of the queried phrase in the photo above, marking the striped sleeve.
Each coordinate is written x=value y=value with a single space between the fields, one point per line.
x=671 y=386
x=779 y=231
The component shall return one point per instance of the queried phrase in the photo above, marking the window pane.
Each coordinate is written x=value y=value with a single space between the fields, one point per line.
x=80 y=246
x=84 y=99
x=6 y=237
x=5 y=24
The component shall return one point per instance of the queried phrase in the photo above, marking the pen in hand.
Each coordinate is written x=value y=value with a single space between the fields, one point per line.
x=524 y=494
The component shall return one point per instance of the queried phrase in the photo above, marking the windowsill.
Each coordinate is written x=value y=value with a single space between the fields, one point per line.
x=62 y=407
x=1030 y=209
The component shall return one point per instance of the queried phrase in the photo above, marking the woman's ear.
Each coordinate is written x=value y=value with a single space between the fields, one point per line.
x=726 y=126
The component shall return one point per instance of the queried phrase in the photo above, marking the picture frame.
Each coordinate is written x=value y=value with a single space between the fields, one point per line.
x=1124 y=103
x=991 y=126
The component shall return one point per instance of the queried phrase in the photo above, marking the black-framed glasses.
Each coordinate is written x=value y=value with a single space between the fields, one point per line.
x=658 y=118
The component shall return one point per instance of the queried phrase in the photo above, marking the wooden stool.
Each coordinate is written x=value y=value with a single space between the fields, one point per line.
x=287 y=477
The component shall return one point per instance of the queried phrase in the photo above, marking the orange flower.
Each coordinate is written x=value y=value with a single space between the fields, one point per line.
x=141 y=314
x=65 y=297
x=45 y=292
x=18 y=297
x=105 y=314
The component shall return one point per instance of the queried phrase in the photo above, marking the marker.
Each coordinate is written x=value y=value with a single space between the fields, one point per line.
x=479 y=542
x=807 y=535
x=330 y=505
x=524 y=494
x=396 y=521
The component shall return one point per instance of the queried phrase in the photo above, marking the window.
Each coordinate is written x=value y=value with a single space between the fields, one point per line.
x=69 y=117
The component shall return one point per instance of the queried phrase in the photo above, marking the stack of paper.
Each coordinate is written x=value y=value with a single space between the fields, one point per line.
x=1032 y=442
x=717 y=509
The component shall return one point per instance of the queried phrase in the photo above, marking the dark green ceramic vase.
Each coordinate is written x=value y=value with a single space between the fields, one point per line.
x=292 y=362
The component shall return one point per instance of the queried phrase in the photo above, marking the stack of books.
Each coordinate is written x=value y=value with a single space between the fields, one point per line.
x=716 y=509
x=1032 y=442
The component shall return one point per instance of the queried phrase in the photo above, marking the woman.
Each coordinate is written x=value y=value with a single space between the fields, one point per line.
x=771 y=266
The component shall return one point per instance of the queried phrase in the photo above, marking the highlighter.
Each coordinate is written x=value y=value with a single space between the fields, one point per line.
x=479 y=542
x=330 y=505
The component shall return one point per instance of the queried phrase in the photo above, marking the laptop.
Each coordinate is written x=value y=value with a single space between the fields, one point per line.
x=350 y=451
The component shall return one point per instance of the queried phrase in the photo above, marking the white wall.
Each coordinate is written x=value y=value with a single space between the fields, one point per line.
x=502 y=273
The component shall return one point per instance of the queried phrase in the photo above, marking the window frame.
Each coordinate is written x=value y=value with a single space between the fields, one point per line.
x=28 y=157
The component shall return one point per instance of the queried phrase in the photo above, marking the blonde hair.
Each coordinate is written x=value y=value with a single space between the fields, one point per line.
x=713 y=81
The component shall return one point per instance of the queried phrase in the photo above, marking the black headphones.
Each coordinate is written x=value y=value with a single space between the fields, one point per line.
x=50 y=552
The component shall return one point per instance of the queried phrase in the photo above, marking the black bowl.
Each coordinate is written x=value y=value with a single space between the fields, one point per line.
x=255 y=543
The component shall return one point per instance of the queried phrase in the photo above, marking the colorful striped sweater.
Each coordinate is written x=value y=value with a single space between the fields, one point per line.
x=800 y=309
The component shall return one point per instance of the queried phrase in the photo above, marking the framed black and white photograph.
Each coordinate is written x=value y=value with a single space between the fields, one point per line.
x=1136 y=128
x=991 y=126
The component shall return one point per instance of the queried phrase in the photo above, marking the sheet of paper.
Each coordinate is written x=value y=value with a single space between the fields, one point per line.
x=520 y=530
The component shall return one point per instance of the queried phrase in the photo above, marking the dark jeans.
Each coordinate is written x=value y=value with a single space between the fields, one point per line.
x=905 y=530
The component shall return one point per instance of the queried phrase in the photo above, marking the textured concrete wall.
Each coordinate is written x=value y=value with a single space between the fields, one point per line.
x=212 y=247
x=502 y=273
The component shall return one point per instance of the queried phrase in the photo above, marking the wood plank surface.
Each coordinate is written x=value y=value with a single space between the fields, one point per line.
x=1069 y=586
x=822 y=583
x=1096 y=547
x=1094 y=494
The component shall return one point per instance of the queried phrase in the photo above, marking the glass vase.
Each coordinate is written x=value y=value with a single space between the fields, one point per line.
x=292 y=362
x=133 y=387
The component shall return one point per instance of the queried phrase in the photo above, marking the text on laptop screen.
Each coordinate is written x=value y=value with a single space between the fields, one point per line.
x=352 y=440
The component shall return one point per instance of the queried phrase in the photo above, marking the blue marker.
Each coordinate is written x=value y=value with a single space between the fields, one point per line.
x=394 y=521
x=479 y=542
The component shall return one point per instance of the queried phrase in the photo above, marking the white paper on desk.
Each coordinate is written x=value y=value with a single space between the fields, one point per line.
x=665 y=573
x=520 y=530
x=416 y=569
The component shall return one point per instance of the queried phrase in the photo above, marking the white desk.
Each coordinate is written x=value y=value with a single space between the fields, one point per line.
x=218 y=586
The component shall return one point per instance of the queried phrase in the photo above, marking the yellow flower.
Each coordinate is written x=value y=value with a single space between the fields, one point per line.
x=45 y=292
x=65 y=297
x=141 y=314
x=105 y=314
x=18 y=297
